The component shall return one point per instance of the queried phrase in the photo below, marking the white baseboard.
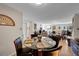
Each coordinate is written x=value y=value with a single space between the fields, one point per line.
x=13 y=54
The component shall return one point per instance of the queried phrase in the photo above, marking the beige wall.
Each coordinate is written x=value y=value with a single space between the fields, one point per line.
x=9 y=33
x=75 y=23
x=28 y=29
x=61 y=28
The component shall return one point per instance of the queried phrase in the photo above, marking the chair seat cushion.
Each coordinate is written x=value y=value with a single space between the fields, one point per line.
x=26 y=50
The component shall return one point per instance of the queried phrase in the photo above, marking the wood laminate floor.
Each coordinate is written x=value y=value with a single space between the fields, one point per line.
x=66 y=50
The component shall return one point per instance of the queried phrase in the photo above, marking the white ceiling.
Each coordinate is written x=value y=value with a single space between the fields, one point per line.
x=47 y=12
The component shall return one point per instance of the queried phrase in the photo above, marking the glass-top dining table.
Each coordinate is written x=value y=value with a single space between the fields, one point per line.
x=34 y=43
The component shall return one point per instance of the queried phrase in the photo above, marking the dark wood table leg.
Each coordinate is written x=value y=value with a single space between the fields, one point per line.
x=40 y=53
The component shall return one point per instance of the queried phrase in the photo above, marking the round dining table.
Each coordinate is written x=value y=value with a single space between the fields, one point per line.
x=34 y=43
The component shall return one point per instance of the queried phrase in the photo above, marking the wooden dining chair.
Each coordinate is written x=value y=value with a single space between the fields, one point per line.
x=51 y=51
x=56 y=39
x=56 y=52
x=19 y=50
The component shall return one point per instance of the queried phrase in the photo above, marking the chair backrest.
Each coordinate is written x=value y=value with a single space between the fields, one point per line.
x=58 y=48
x=55 y=38
x=56 y=52
x=33 y=35
x=53 y=49
x=18 y=45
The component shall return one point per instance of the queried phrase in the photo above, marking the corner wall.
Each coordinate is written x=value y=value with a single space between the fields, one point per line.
x=9 y=33
x=75 y=23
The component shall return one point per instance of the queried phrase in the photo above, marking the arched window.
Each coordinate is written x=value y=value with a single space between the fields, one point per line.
x=6 y=20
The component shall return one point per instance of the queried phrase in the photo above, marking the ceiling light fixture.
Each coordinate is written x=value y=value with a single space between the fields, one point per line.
x=38 y=3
